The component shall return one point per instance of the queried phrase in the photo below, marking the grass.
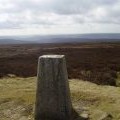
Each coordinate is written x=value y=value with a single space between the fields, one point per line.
x=96 y=98
x=17 y=98
x=118 y=79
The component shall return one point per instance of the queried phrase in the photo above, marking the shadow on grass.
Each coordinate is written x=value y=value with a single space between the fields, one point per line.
x=76 y=116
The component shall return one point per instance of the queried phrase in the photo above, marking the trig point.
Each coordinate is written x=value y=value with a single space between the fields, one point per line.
x=53 y=95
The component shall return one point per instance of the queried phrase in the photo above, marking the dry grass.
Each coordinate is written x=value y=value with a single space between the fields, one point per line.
x=96 y=98
x=17 y=98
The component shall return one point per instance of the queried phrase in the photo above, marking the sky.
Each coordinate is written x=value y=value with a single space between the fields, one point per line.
x=27 y=17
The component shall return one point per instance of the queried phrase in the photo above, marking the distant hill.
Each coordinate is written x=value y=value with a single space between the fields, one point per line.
x=11 y=41
x=101 y=37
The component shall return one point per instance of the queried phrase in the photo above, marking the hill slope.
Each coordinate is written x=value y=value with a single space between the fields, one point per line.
x=70 y=38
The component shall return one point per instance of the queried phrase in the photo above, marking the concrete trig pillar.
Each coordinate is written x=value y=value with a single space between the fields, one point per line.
x=53 y=95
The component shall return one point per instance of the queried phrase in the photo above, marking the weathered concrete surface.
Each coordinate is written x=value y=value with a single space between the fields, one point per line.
x=53 y=95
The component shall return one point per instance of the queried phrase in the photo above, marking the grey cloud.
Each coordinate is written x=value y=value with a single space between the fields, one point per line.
x=80 y=6
x=20 y=21
x=60 y=6
x=80 y=11
x=11 y=25
x=110 y=15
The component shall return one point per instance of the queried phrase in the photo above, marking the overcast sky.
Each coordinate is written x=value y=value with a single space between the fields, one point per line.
x=23 y=17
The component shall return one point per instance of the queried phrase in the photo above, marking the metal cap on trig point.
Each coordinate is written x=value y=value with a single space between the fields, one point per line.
x=53 y=95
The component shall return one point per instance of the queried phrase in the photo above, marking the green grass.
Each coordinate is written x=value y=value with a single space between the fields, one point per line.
x=17 y=98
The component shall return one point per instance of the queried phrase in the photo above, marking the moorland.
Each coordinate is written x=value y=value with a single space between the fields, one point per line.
x=93 y=70
x=95 y=62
